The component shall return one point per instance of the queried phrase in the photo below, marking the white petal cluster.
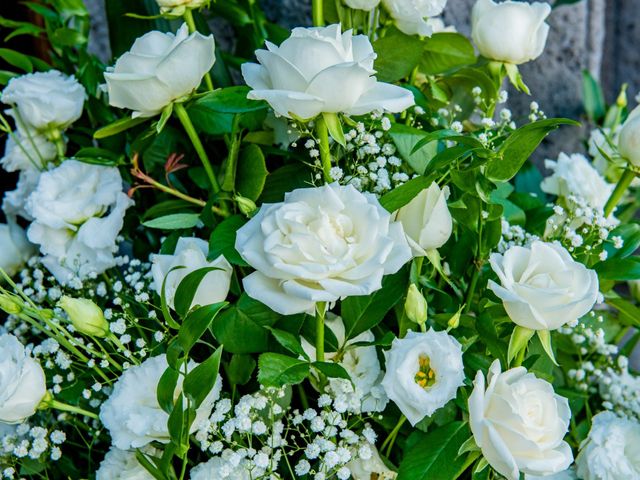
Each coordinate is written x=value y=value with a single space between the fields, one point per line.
x=542 y=287
x=159 y=69
x=15 y=250
x=412 y=16
x=45 y=100
x=424 y=372
x=78 y=210
x=123 y=465
x=366 y=394
x=426 y=220
x=22 y=381
x=612 y=449
x=191 y=254
x=512 y=32
x=320 y=70
x=320 y=245
x=132 y=413
x=519 y=423
x=574 y=175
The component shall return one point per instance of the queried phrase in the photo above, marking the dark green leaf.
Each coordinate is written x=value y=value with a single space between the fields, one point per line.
x=390 y=66
x=445 y=51
x=200 y=381
x=252 y=172
x=289 y=341
x=196 y=323
x=276 y=370
x=187 y=289
x=230 y=100
x=223 y=240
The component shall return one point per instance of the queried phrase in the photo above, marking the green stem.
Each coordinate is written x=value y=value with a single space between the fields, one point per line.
x=318 y=13
x=55 y=404
x=472 y=289
x=519 y=358
x=392 y=436
x=191 y=24
x=183 y=116
x=618 y=192
x=323 y=143
x=229 y=182
x=321 y=308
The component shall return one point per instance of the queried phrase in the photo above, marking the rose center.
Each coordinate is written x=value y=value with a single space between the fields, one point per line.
x=425 y=377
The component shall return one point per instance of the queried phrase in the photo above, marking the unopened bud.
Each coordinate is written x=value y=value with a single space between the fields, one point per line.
x=415 y=306
x=85 y=316
x=246 y=205
x=9 y=305
x=622 y=101
x=454 y=322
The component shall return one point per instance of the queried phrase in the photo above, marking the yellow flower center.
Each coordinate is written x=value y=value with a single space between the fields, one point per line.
x=425 y=377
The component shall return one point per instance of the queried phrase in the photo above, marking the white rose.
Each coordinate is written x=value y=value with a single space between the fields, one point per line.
x=519 y=423
x=22 y=381
x=78 y=210
x=612 y=449
x=123 y=465
x=320 y=245
x=362 y=365
x=542 y=287
x=574 y=175
x=374 y=467
x=27 y=151
x=321 y=70
x=178 y=7
x=426 y=220
x=15 y=249
x=191 y=253
x=424 y=372
x=366 y=5
x=629 y=139
x=412 y=16
x=159 y=69
x=511 y=32
x=132 y=413
x=15 y=201
x=45 y=100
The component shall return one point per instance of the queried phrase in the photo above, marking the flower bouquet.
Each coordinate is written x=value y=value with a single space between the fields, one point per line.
x=321 y=254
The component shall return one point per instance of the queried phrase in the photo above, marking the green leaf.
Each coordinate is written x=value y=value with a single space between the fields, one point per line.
x=174 y=221
x=519 y=147
x=230 y=100
x=240 y=368
x=175 y=423
x=435 y=454
x=16 y=59
x=187 y=289
x=515 y=77
x=390 y=66
x=332 y=370
x=196 y=323
x=365 y=312
x=592 y=97
x=629 y=313
x=620 y=269
x=144 y=461
x=289 y=341
x=223 y=240
x=402 y=195
x=200 y=381
x=118 y=126
x=334 y=125
x=405 y=139
x=241 y=328
x=276 y=370
x=545 y=340
x=446 y=51
x=251 y=173
x=164 y=117
x=166 y=388
x=519 y=341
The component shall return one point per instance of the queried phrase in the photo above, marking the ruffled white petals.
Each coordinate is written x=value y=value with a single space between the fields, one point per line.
x=542 y=287
x=519 y=423
x=319 y=70
x=320 y=245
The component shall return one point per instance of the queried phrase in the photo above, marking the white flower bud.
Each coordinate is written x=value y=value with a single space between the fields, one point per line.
x=85 y=316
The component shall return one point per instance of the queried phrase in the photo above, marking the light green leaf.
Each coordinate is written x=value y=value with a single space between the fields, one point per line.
x=175 y=221
x=519 y=341
x=117 y=127
x=334 y=125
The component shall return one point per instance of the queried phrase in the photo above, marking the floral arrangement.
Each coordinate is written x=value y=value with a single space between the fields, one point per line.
x=317 y=254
